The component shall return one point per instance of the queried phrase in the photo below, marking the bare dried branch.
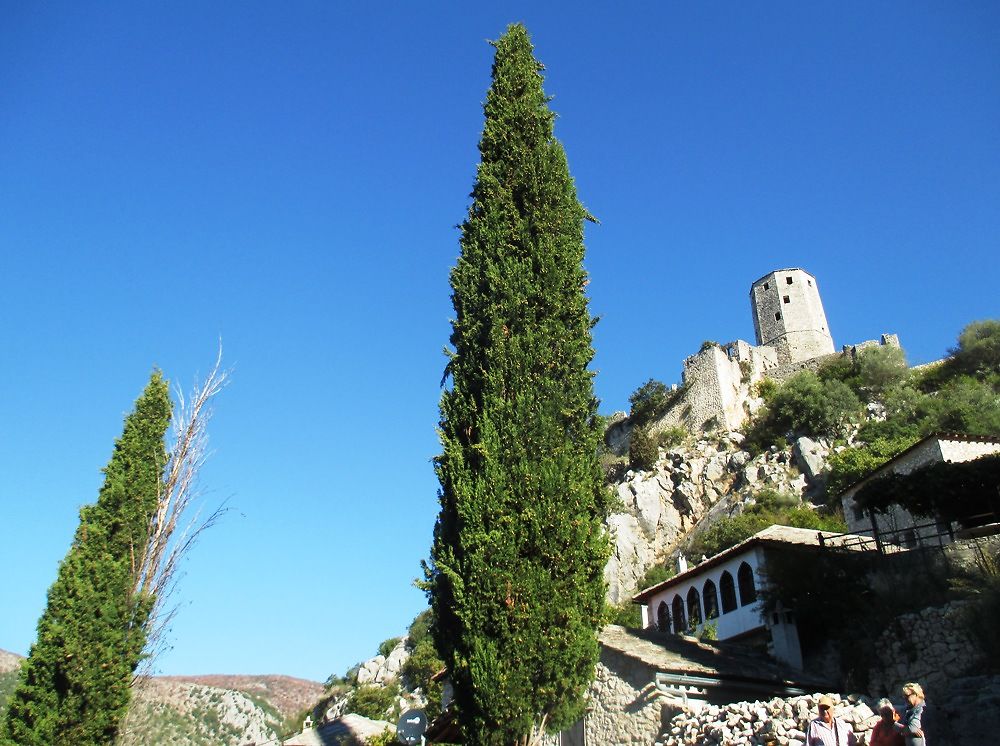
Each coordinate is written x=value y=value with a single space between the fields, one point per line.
x=178 y=520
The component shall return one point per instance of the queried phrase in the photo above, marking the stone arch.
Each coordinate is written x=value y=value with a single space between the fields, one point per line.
x=678 y=609
x=694 y=607
x=727 y=588
x=710 y=598
x=748 y=590
x=663 y=617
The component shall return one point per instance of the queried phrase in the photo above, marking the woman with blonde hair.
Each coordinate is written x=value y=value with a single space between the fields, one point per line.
x=911 y=724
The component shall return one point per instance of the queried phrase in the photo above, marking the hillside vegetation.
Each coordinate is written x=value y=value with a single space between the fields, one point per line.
x=877 y=406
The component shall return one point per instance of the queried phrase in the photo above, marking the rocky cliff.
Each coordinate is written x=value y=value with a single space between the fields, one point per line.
x=708 y=476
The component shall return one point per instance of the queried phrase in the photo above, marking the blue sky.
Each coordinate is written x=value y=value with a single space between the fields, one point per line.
x=288 y=177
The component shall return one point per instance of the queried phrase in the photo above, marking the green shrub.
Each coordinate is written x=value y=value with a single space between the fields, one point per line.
x=852 y=464
x=642 y=449
x=804 y=405
x=770 y=507
x=387 y=646
x=978 y=350
x=880 y=368
x=656 y=574
x=671 y=437
x=708 y=344
x=649 y=401
x=764 y=389
x=385 y=738
x=626 y=614
x=375 y=702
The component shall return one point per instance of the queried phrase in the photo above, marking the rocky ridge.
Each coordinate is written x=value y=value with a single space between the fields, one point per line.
x=707 y=477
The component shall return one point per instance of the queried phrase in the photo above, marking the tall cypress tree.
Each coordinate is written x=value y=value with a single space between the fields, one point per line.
x=74 y=687
x=516 y=572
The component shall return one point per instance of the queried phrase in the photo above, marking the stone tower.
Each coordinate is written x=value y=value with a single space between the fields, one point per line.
x=788 y=315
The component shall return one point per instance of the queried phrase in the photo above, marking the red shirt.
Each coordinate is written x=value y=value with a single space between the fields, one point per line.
x=884 y=734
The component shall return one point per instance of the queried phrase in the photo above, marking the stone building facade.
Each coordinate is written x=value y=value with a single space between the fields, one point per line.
x=899 y=526
x=788 y=315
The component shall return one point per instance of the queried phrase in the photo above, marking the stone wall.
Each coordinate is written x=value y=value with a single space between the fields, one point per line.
x=625 y=706
x=777 y=721
x=931 y=646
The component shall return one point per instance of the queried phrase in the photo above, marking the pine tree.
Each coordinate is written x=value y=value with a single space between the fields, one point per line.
x=74 y=687
x=516 y=572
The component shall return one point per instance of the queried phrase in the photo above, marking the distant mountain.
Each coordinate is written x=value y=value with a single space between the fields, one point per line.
x=202 y=710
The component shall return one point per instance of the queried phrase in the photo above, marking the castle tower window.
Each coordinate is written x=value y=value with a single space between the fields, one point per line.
x=777 y=316
x=663 y=618
x=678 y=608
x=767 y=286
x=710 y=599
x=786 y=299
x=748 y=591
x=788 y=280
x=728 y=590
x=694 y=607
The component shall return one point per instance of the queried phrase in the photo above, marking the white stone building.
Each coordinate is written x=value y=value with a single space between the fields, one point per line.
x=898 y=526
x=723 y=591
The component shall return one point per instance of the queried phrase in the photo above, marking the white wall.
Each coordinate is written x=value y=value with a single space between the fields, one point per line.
x=743 y=619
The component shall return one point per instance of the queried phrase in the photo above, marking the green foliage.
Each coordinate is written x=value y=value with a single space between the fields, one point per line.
x=952 y=491
x=424 y=662
x=375 y=702
x=671 y=437
x=385 y=738
x=978 y=350
x=708 y=344
x=804 y=405
x=765 y=389
x=642 y=449
x=770 y=507
x=516 y=571
x=871 y=374
x=387 y=646
x=848 y=599
x=649 y=402
x=8 y=680
x=853 y=464
x=656 y=574
x=709 y=630
x=75 y=684
x=626 y=614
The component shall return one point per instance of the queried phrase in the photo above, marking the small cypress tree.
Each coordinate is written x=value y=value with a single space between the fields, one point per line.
x=74 y=687
x=516 y=572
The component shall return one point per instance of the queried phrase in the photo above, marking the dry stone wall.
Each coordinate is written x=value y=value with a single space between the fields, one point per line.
x=781 y=722
x=931 y=646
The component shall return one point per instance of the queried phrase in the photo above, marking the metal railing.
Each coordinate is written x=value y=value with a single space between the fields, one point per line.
x=932 y=534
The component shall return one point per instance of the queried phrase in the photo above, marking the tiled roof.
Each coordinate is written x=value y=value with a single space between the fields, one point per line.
x=681 y=654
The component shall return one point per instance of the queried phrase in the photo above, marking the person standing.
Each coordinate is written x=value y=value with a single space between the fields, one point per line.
x=829 y=730
x=884 y=733
x=911 y=725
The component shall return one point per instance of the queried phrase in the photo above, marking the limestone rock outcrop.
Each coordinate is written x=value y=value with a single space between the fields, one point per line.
x=708 y=477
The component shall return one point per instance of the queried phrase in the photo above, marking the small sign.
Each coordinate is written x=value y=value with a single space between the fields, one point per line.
x=411 y=726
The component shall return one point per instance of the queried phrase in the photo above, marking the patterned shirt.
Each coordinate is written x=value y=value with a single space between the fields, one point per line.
x=837 y=733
